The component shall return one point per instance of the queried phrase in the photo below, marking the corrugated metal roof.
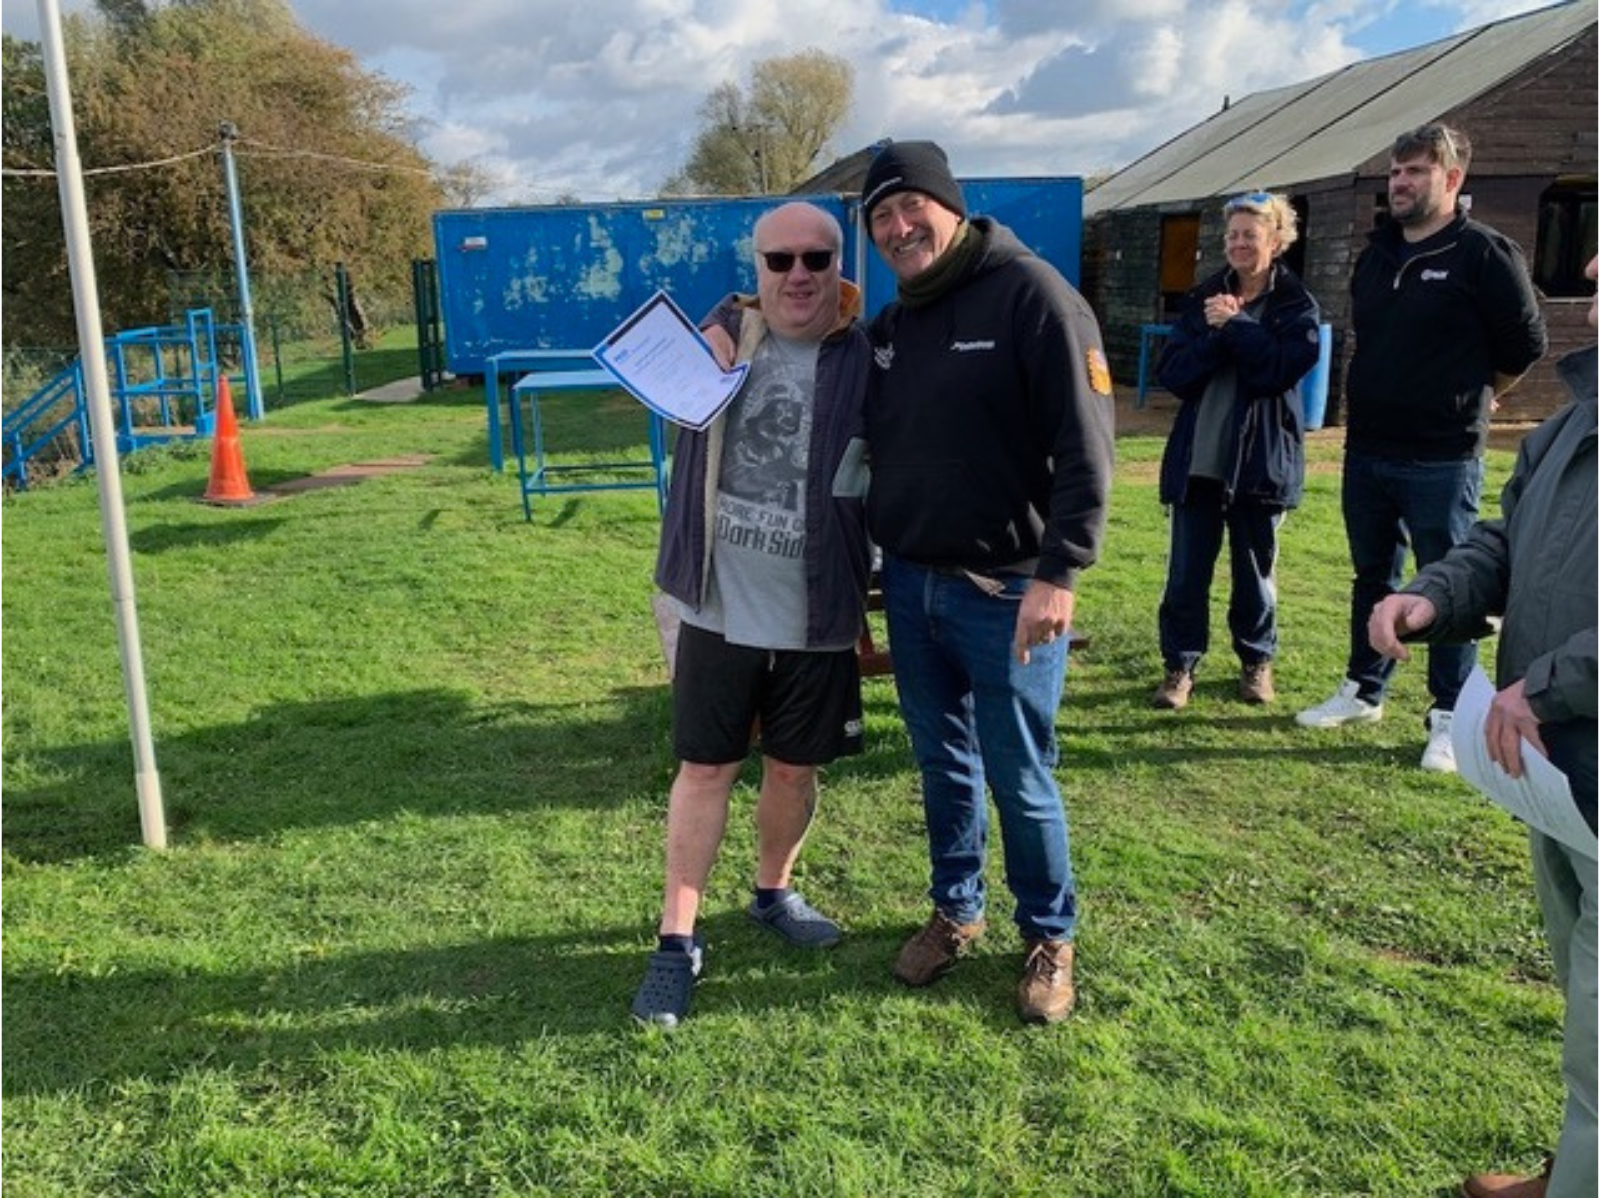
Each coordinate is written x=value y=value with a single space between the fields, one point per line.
x=1331 y=125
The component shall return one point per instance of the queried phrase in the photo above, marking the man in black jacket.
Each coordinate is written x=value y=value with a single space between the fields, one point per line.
x=989 y=430
x=1445 y=320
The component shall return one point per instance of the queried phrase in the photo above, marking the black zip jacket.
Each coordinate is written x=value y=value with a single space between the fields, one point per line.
x=1270 y=357
x=989 y=421
x=1431 y=334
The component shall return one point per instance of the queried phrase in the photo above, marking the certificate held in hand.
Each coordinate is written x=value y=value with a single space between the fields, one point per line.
x=1541 y=796
x=661 y=358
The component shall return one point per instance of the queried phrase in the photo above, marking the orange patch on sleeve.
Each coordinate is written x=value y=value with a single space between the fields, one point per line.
x=1099 y=371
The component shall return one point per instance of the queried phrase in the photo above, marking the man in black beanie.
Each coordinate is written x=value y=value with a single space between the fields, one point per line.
x=912 y=167
x=989 y=427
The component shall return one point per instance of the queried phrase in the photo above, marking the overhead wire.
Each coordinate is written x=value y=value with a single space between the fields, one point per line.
x=256 y=149
x=46 y=173
x=270 y=151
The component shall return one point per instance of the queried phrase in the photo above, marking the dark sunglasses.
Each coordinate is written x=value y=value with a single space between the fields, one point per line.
x=781 y=262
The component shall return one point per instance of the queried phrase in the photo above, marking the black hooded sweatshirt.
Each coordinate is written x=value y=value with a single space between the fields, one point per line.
x=989 y=421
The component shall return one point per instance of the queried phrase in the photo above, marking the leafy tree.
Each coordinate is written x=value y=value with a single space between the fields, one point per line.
x=465 y=183
x=327 y=172
x=766 y=140
x=37 y=291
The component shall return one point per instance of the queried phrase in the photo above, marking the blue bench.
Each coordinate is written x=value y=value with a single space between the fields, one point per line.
x=541 y=477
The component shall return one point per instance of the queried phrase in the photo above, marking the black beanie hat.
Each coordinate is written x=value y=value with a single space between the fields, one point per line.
x=911 y=167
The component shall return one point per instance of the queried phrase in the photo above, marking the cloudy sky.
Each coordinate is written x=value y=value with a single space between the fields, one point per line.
x=598 y=98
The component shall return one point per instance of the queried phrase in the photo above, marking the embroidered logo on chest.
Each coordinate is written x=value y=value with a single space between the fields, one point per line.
x=1429 y=275
x=883 y=356
x=967 y=347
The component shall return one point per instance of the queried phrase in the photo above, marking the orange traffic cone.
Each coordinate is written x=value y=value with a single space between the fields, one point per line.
x=228 y=485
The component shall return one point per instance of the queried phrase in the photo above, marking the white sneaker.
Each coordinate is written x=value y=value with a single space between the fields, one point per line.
x=1344 y=707
x=1440 y=752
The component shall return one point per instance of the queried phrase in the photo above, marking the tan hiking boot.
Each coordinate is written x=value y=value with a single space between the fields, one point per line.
x=1046 y=993
x=1174 y=689
x=1255 y=683
x=934 y=948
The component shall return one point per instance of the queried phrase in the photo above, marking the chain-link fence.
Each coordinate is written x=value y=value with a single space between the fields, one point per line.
x=315 y=332
x=303 y=321
x=25 y=369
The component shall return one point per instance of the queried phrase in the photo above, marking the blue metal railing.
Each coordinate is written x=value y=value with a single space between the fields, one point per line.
x=173 y=366
x=35 y=424
x=162 y=377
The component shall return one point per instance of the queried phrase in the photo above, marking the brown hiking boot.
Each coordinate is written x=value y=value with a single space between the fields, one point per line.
x=1174 y=691
x=934 y=948
x=1046 y=993
x=1255 y=683
x=1508 y=1187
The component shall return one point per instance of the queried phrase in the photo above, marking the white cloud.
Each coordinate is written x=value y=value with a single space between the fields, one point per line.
x=1480 y=12
x=599 y=98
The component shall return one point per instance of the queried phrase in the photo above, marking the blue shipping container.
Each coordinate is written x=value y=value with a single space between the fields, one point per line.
x=561 y=277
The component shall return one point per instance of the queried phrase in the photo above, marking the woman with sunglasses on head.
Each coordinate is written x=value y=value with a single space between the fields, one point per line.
x=1235 y=460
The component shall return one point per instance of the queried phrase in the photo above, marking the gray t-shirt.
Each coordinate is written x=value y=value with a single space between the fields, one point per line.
x=756 y=594
x=1212 y=425
x=1213 y=429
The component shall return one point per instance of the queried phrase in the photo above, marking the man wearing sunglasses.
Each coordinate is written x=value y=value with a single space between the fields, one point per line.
x=1445 y=320
x=764 y=549
x=989 y=422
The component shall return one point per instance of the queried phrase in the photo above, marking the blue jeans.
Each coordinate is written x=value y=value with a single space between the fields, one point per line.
x=1389 y=505
x=1184 y=619
x=976 y=716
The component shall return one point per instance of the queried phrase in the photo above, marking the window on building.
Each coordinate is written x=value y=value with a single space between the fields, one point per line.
x=1567 y=215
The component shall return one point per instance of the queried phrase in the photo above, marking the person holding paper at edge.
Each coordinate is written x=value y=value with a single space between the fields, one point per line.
x=1536 y=566
x=764 y=549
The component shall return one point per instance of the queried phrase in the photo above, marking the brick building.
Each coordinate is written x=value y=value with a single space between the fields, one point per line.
x=1523 y=89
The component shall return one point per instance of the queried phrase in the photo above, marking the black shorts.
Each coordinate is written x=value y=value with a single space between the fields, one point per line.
x=808 y=701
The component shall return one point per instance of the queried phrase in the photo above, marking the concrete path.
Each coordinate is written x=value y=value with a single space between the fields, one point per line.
x=349 y=473
x=400 y=391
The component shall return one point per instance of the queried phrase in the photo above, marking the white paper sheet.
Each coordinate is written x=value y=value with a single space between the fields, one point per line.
x=1541 y=797
x=660 y=357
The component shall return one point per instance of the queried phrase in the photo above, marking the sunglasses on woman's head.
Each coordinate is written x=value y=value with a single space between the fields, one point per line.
x=781 y=262
x=1251 y=202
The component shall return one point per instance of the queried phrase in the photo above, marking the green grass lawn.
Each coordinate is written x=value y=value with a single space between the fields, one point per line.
x=415 y=755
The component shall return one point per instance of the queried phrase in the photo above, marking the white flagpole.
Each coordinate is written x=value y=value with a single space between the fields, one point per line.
x=91 y=347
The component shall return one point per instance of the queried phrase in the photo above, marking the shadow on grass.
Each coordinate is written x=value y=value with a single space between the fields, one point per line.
x=326 y=378
x=173 y=536
x=342 y=761
x=261 y=481
x=336 y=762
x=445 y=398
x=65 y=1030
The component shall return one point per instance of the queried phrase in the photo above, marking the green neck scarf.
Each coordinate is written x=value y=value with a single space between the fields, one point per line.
x=946 y=270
